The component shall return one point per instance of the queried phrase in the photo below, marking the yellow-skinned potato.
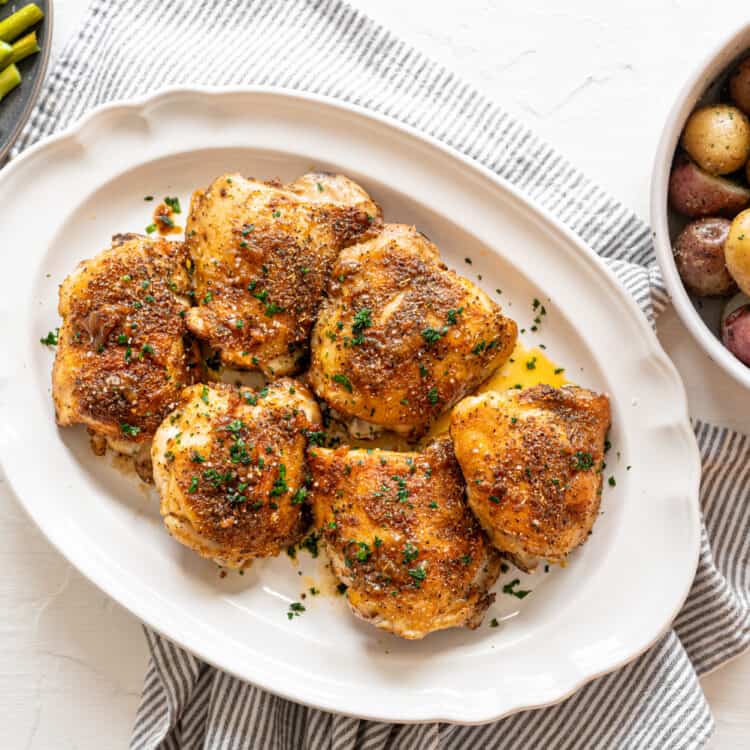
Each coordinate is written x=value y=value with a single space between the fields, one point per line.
x=737 y=250
x=718 y=138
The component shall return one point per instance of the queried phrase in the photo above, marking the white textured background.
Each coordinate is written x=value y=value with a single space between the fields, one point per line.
x=596 y=80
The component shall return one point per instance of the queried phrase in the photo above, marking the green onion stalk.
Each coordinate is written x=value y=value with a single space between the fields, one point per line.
x=9 y=79
x=14 y=25
x=6 y=52
x=23 y=48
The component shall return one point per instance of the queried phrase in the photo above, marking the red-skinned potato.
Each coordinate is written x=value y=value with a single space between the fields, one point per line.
x=699 y=255
x=739 y=86
x=735 y=333
x=695 y=193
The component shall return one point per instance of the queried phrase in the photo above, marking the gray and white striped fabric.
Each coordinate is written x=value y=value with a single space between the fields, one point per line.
x=129 y=48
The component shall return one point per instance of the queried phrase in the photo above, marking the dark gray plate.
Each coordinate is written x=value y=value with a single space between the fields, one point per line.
x=16 y=107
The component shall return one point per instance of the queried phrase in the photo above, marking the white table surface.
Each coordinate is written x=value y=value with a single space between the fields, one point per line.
x=595 y=79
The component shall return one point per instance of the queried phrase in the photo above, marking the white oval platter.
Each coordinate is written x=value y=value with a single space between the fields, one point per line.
x=64 y=198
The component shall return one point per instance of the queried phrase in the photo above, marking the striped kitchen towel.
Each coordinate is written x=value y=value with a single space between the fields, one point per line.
x=129 y=48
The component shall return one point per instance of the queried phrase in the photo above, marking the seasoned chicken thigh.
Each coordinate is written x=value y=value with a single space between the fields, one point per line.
x=263 y=253
x=122 y=356
x=401 y=537
x=401 y=338
x=229 y=464
x=533 y=466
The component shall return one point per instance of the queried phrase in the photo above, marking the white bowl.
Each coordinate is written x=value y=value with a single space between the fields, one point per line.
x=702 y=316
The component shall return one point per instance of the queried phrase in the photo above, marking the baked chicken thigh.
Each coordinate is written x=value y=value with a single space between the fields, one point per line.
x=400 y=535
x=229 y=465
x=532 y=460
x=263 y=252
x=401 y=338
x=122 y=356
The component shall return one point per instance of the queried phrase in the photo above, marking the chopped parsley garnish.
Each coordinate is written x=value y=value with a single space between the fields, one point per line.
x=362 y=319
x=342 y=380
x=364 y=552
x=422 y=371
x=431 y=335
x=207 y=298
x=204 y=394
x=279 y=486
x=453 y=315
x=342 y=588
x=148 y=198
x=495 y=499
x=320 y=187
x=411 y=552
x=147 y=349
x=418 y=574
x=295 y=610
x=193 y=485
x=531 y=364
x=315 y=437
x=51 y=338
x=252 y=398
x=612 y=482
x=151 y=228
x=583 y=461
x=174 y=204
x=276 y=214
x=559 y=370
x=272 y=308
x=310 y=543
x=494 y=623
x=299 y=496
x=122 y=339
x=129 y=429
x=234 y=426
x=432 y=395
x=402 y=495
x=510 y=588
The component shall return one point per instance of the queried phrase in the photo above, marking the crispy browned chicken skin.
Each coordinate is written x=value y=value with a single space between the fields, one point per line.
x=533 y=466
x=263 y=252
x=122 y=358
x=401 y=338
x=229 y=465
x=400 y=536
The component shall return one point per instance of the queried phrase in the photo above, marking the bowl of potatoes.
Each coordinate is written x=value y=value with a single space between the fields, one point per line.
x=700 y=205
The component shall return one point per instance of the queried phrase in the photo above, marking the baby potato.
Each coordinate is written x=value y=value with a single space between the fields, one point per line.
x=737 y=250
x=696 y=193
x=699 y=255
x=735 y=333
x=739 y=86
x=718 y=138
